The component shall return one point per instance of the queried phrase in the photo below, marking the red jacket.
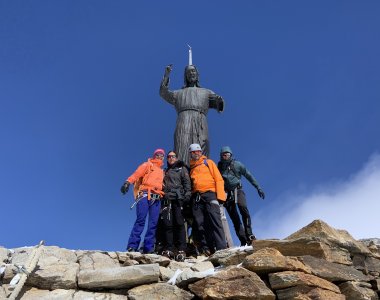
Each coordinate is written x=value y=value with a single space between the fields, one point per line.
x=206 y=178
x=148 y=177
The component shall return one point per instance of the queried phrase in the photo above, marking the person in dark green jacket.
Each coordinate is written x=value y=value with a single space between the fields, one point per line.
x=232 y=171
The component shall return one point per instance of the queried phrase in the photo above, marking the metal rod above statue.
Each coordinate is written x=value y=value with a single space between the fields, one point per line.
x=191 y=103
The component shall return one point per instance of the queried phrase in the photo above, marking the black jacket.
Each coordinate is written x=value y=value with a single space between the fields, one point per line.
x=177 y=184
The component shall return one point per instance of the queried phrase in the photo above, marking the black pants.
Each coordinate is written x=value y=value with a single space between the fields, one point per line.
x=173 y=226
x=243 y=231
x=207 y=221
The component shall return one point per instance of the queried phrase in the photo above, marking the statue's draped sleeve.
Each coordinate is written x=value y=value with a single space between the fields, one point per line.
x=217 y=103
x=165 y=93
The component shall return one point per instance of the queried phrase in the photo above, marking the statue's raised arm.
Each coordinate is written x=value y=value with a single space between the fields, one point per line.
x=165 y=93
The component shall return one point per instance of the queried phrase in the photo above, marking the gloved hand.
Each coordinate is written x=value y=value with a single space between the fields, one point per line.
x=221 y=202
x=261 y=193
x=187 y=198
x=125 y=187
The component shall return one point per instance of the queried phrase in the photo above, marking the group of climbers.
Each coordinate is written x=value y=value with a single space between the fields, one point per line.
x=202 y=188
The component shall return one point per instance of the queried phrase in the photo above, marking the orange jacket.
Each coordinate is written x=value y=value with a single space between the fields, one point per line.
x=206 y=178
x=149 y=177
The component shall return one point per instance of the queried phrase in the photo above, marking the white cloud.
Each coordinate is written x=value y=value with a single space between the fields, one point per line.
x=352 y=204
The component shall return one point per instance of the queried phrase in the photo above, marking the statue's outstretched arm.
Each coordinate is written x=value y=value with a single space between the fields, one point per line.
x=216 y=102
x=165 y=93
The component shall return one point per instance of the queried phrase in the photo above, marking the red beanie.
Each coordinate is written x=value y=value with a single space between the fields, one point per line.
x=162 y=151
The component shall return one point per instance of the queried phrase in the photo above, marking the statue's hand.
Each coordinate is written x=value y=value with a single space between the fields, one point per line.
x=216 y=101
x=168 y=69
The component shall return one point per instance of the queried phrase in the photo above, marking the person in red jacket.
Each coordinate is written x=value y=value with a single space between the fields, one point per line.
x=207 y=193
x=148 y=181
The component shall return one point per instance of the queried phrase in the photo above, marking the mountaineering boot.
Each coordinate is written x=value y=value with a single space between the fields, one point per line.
x=167 y=253
x=180 y=256
x=130 y=249
x=205 y=252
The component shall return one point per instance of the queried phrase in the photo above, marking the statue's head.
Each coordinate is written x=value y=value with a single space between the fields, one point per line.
x=191 y=76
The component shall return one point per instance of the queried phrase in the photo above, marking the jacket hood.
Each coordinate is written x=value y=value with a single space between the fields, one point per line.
x=226 y=149
x=156 y=162
x=194 y=163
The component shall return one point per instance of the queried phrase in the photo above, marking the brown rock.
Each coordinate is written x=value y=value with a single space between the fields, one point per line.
x=358 y=291
x=189 y=276
x=3 y=255
x=118 y=278
x=122 y=256
x=149 y=258
x=307 y=246
x=20 y=256
x=4 y=292
x=129 y=262
x=229 y=257
x=166 y=274
x=367 y=264
x=335 y=237
x=60 y=294
x=232 y=283
x=158 y=291
x=57 y=268
x=376 y=284
x=283 y=280
x=202 y=266
x=373 y=245
x=92 y=260
x=270 y=260
x=332 y=271
x=53 y=273
x=308 y=293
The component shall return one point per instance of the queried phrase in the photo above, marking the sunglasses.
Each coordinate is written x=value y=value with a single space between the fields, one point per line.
x=159 y=155
x=172 y=156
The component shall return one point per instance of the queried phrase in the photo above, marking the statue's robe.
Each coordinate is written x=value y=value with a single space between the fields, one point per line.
x=191 y=104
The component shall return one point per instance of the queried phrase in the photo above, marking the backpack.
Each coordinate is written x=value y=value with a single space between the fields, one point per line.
x=231 y=167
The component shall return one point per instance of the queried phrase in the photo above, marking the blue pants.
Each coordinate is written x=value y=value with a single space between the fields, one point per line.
x=143 y=207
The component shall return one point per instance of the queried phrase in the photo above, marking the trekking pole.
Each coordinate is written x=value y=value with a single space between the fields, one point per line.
x=134 y=203
x=170 y=209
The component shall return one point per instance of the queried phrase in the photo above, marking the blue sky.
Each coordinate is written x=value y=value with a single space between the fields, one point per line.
x=80 y=110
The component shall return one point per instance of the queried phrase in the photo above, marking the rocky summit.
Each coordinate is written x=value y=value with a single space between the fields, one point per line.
x=316 y=262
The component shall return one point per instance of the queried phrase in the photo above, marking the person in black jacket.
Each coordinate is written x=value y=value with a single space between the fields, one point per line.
x=232 y=171
x=177 y=188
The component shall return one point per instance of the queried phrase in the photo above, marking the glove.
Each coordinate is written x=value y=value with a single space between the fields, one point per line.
x=261 y=193
x=221 y=202
x=125 y=187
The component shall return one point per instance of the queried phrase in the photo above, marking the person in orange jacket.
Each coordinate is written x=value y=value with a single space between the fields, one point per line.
x=207 y=194
x=148 y=181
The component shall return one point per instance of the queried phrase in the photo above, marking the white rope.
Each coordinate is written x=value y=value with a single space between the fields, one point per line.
x=19 y=280
x=173 y=280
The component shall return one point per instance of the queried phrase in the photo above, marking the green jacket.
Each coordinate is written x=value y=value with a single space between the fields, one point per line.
x=232 y=170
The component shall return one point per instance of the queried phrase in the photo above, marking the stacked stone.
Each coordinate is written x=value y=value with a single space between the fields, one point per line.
x=316 y=262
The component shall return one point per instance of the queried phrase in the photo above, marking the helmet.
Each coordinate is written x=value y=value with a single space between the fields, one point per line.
x=195 y=147
x=225 y=149
x=162 y=151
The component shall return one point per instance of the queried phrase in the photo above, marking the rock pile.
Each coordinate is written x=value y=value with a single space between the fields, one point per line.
x=316 y=262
